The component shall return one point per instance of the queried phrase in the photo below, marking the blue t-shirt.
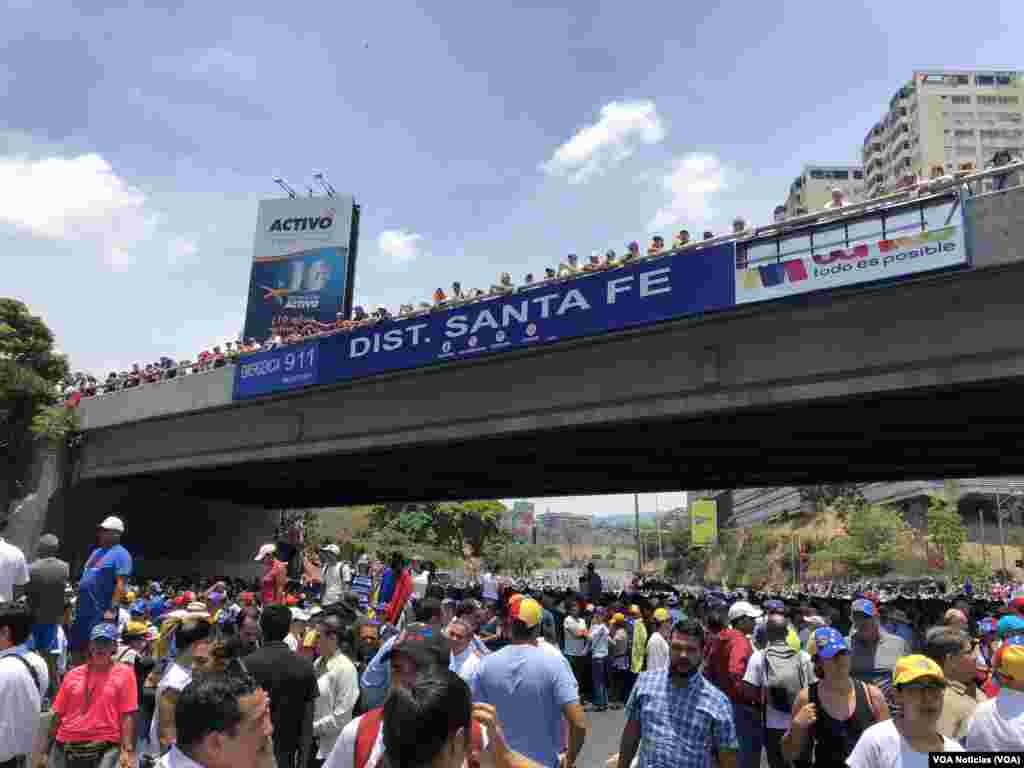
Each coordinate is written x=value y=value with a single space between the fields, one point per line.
x=156 y=606
x=528 y=687
x=99 y=579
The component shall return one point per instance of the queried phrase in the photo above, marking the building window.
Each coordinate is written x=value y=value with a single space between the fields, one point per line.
x=933 y=79
x=986 y=80
x=858 y=174
x=961 y=99
x=961 y=79
x=817 y=174
x=962 y=133
x=988 y=100
x=1003 y=79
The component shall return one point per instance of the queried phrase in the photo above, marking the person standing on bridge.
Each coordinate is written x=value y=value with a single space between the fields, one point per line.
x=103 y=583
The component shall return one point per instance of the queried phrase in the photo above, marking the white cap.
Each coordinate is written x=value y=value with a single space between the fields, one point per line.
x=299 y=615
x=266 y=549
x=113 y=524
x=332 y=548
x=742 y=610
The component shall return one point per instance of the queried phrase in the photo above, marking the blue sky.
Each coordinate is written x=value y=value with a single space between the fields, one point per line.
x=136 y=141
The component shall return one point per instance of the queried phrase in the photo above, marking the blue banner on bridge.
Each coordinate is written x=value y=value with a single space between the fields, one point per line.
x=651 y=291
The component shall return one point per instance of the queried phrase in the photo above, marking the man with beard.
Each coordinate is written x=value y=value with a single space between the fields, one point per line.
x=680 y=718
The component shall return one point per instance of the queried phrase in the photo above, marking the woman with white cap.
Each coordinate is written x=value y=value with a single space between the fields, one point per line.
x=274 y=578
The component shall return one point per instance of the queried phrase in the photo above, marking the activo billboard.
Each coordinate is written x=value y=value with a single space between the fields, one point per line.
x=302 y=264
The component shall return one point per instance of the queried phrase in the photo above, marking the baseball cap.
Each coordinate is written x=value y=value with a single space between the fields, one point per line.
x=634 y=610
x=826 y=642
x=987 y=626
x=774 y=606
x=661 y=614
x=266 y=549
x=743 y=610
x=334 y=549
x=113 y=524
x=618 y=618
x=1010 y=624
x=104 y=632
x=1017 y=604
x=914 y=667
x=865 y=606
x=527 y=610
x=1009 y=659
x=138 y=607
x=135 y=629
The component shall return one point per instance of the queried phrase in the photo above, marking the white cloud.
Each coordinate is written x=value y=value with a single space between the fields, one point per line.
x=690 y=187
x=80 y=199
x=595 y=148
x=399 y=247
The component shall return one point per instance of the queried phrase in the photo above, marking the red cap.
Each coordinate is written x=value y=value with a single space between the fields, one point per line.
x=1017 y=604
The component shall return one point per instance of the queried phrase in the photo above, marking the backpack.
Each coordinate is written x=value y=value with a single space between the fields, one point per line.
x=785 y=674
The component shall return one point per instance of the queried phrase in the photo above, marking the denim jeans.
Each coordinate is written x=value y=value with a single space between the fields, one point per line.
x=750 y=734
x=599 y=672
x=57 y=759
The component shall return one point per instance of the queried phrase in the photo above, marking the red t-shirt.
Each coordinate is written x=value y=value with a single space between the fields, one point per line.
x=728 y=662
x=90 y=703
x=272 y=584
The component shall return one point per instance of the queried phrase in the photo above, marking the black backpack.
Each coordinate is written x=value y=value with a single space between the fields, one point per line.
x=785 y=675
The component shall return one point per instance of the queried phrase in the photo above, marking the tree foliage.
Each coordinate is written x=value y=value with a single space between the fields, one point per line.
x=456 y=529
x=946 y=530
x=873 y=541
x=31 y=375
x=837 y=495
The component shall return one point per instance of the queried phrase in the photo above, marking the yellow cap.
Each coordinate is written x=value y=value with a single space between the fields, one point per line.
x=913 y=667
x=661 y=614
x=129 y=597
x=618 y=618
x=634 y=610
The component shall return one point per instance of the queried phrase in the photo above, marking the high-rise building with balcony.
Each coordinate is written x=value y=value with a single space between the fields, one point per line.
x=956 y=119
x=813 y=187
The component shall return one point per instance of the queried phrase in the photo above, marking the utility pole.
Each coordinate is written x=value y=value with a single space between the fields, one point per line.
x=1002 y=535
x=639 y=541
x=657 y=523
x=981 y=532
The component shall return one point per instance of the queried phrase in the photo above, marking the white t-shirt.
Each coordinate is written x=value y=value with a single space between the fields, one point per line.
x=657 y=652
x=775 y=719
x=176 y=678
x=998 y=724
x=419 y=584
x=20 y=702
x=332 y=578
x=346 y=573
x=13 y=570
x=575 y=646
x=882 y=746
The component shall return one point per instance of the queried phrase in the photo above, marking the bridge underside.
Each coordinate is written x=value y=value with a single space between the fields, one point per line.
x=932 y=432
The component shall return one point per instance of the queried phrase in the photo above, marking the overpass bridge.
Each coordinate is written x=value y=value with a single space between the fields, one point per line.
x=907 y=378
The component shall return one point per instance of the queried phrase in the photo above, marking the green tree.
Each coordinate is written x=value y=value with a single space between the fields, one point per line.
x=1015 y=536
x=947 y=531
x=459 y=529
x=979 y=572
x=31 y=375
x=838 y=495
x=874 y=540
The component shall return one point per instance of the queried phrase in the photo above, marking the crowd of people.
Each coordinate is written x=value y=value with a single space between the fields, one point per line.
x=293 y=329
x=353 y=663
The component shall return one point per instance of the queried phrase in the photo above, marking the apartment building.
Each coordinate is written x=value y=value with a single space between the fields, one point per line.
x=813 y=187
x=956 y=119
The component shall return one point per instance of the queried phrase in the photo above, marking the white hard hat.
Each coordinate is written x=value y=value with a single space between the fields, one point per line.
x=266 y=549
x=334 y=549
x=113 y=524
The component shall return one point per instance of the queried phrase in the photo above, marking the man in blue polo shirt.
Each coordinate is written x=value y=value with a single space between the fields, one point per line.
x=103 y=584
